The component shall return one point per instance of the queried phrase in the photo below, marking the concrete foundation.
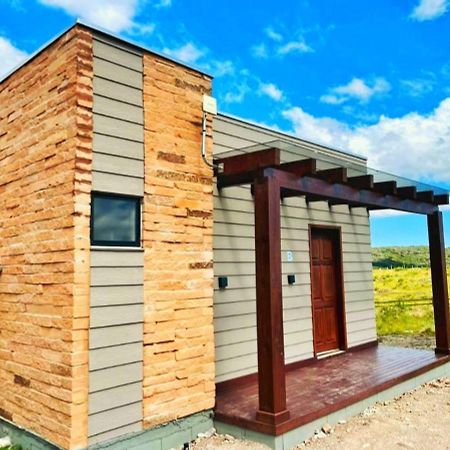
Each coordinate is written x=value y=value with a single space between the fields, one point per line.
x=171 y=435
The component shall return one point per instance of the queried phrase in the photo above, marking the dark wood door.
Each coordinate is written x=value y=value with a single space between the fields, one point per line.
x=325 y=280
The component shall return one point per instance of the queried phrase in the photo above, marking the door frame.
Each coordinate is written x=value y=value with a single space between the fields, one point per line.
x=336 y=233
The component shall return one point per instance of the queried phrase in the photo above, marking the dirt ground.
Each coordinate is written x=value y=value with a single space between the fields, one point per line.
x=418 y=420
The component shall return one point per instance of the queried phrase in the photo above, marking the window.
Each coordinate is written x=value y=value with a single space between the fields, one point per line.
x=115 y=220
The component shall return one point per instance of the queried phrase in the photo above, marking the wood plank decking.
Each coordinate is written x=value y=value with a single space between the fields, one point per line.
x=325 y=386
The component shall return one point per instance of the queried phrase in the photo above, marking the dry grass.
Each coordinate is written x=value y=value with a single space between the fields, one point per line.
x=395 y=293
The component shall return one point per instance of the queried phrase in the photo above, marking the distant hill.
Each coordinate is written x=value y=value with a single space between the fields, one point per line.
x=414 y=256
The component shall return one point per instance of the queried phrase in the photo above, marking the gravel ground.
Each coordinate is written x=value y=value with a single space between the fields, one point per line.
x=397 y=340
x=418 y=420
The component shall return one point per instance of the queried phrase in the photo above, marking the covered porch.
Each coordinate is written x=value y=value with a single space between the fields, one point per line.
x=279 y=397
x=319 y=388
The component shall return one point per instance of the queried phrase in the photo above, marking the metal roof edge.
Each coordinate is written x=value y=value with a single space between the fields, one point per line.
x=140 y=46
x=104 y=32
x=292 y=136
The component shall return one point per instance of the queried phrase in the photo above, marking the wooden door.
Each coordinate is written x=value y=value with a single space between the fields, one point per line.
x=326 y=289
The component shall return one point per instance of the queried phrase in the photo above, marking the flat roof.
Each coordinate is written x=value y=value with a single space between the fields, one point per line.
x=106 y=33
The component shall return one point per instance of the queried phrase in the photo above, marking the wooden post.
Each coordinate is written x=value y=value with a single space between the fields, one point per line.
x=439 y=282
x=269 y=308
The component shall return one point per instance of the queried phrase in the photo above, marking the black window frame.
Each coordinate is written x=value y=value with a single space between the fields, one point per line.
x=137 y=200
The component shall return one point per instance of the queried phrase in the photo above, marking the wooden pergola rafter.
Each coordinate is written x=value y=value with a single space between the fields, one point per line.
x=272 y=181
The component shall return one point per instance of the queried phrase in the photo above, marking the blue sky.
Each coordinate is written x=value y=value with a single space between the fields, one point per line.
x=370 y=77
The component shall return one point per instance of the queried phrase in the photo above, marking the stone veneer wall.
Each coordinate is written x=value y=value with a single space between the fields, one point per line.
x=177 y=234
x=45 y=182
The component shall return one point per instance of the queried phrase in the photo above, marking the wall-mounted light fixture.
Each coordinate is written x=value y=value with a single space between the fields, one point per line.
x=223 y=282
x=291 y=278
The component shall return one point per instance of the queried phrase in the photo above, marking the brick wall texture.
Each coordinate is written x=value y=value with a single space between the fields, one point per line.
x=45 y=180
x=177 y=233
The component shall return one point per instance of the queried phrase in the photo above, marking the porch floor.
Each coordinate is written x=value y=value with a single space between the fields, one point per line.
x=325 y=386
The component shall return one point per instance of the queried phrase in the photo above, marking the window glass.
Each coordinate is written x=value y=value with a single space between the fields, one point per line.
x=115 y=220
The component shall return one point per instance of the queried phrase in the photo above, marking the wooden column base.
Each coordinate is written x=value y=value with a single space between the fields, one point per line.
x=442 y=351
x=273 y=418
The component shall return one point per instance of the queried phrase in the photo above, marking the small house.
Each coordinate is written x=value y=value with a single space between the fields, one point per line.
x=165 y=269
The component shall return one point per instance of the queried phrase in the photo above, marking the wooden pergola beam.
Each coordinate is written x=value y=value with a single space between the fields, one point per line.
x=441 y=199
x=341 y=202
x=314 y=198
x=332 y=185
x=361 y=182
x=426 y=196
x=235 y=179
x=334 y=175
x=322 y=189
x=407 y=192
x=386 y=187
x=300 y=168
x=251 y=161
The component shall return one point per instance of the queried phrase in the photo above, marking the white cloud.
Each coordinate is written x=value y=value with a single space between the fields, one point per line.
x=142 y=29
x=280 y=44
x=260 y=51
x=163 y=4
x=382 y=213
x=274 y=35
x=271 y=91
x=357 y=89
x=413 y=145
x=113 y=15
x=188 y=53
x=417 y=87
x=429 y=9
x=11 y=56
x=332 y=99
x=294 y=47
x=221 y=68
x=237 y=94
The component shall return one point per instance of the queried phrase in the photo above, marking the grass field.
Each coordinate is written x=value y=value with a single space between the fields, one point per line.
x=403 y=301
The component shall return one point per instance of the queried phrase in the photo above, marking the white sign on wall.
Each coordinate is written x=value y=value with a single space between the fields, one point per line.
x=290 y=256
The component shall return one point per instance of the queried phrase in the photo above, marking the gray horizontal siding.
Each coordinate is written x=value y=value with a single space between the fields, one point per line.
x=118 y=109
x=115 y=397
x=115 y=52
x=116 y=276
x=118 y=165
x=119 y=92
x=108 y=336
x=118 y=160
x=111 y=145
x=115 y=335
x=116 y=355
x=108 y=424
x=115 y=376
x=116 y=319
x=118 y=73
x=110 y=316
x=116 y=432
x=118 y=128
x=116 y=295
x=235 y=307
x=231 y=135
x=118 y=184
